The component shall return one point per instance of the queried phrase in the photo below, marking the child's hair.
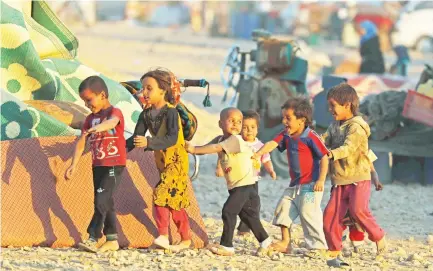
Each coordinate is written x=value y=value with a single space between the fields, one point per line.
x=251 y=114
x=301 y=109
x=166 y=81
x=344 y=93
x=226 y=111
x=94 y=83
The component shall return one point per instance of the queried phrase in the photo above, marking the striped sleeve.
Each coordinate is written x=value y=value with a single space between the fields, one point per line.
x=316 y=145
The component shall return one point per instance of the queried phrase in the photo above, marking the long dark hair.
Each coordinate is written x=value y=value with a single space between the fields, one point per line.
x=164 y=79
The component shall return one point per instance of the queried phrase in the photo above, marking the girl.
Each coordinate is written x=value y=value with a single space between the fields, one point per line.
x=372 y=58
x=161 y=119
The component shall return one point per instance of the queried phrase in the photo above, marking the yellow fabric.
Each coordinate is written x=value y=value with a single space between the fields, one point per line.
x=46 y=43
x=426 y=88
x=173 y=165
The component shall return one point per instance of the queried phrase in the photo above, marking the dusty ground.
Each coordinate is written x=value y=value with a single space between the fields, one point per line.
x=124 y=53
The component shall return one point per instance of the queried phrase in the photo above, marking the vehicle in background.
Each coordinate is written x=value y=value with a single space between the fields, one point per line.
x=413 y=28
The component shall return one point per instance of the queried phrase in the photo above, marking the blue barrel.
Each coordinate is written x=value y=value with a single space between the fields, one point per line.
x=428 y=170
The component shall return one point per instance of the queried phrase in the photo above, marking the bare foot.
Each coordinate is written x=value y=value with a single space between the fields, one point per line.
x=281 y=246
x=181 y=246
x=109 y=246
x=381 y=246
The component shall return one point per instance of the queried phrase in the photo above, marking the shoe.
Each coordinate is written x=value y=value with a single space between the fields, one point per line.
x=184 y=245
x=381 y=246
x=336 y=262
x=162 y=242
x=222 y=251
x=89 y=245
x=109 y=246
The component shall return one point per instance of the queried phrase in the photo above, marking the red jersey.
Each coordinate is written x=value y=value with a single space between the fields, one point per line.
x=109 y=147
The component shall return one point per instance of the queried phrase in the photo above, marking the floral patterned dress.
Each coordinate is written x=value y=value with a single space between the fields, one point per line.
x=168 y=144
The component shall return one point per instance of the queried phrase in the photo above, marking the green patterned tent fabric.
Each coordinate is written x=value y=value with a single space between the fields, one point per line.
x=38 y=62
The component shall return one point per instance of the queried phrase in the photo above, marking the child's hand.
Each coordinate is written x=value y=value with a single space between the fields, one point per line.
x=319 y=186
x=94 y=129
x=273 y=175
x=189 y=147
x=219 y=172
x=377 y=183
x=256 y=156
x=70 y=172
x=140 y=141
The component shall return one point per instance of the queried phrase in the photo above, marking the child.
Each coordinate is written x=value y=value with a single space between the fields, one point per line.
x=235 y=156
x=249 y=133
x=308 y=165
x=162 y=120
x=105 y=125
x=350 y=171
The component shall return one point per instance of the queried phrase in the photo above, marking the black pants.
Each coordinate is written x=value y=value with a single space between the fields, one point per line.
x=242 y=226
x=245 y=202
x=105 y=182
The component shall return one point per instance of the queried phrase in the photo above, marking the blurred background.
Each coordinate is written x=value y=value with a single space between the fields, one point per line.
x=399 y=22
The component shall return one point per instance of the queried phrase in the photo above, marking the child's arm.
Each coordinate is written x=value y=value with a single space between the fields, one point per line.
x=270 y=169
x=139 y=132
x=320 y=183
x=79 y=149
x=206 y=149
x=375 y=178
x=267 y=148
x=106 y=125
x=219 y=170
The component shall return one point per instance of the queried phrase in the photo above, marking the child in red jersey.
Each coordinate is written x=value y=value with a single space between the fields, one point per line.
x=104 y=129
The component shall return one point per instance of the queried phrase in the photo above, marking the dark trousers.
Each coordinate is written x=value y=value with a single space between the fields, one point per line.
x=105 y=182
x=243 y=201
x=242 y=226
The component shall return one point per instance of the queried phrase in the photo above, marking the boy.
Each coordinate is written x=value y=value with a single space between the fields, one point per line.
x=249 y=133
x=105 y=128
x=308 y=165
x=350 y=170
x=237 y=165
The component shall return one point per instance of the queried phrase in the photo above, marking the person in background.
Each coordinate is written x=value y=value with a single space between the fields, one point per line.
x=372 y=58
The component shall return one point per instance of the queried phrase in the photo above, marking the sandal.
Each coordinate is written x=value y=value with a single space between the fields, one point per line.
x=336 y=262
x=219 y=250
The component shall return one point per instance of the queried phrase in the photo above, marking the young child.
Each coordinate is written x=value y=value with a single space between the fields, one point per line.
x=105 y=125
x=308 y=165
x=162 y=120
x=350 y=171
x=249 y=133
x=250 y=129
x=237 y=165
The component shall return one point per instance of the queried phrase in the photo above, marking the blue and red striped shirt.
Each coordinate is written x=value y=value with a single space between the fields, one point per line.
x=303 y=154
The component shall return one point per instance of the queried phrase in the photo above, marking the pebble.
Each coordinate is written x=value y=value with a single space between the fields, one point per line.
x=411 y=239
x=415 y=257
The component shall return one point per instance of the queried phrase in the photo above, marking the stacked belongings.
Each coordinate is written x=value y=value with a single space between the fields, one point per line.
x=41 y=114
x=284 y=75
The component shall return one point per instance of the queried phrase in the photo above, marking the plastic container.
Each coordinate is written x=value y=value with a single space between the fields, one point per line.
x=418 y=107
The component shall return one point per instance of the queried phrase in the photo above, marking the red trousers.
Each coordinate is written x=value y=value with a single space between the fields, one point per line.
x=353 y=198
x=180 y=218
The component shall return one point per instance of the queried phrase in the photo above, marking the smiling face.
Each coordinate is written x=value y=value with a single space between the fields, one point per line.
x=249 y=129
x=151 y=92
x=94 y=101
x=338 y=111
x=292 y=124
x=231 y=122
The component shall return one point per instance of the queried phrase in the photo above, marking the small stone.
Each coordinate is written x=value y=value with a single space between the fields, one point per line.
x=415 y=257
x=401 y=252
x=411 y=239
x=162 y=266
x=6 y=264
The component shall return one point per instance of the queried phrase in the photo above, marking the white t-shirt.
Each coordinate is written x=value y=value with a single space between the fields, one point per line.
x=236 y=162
